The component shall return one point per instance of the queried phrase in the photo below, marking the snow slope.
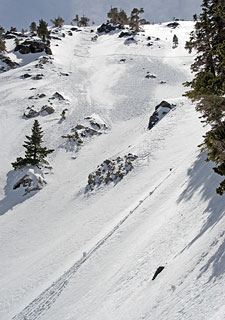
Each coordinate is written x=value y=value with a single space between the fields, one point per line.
x=67 y=254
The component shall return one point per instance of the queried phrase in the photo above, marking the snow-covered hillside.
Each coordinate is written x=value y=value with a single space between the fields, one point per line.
x=71 y=252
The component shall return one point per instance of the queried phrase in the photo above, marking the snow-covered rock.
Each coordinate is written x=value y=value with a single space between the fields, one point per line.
x=28 y=179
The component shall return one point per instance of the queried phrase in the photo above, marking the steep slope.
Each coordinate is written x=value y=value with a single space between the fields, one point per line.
x=67 y=254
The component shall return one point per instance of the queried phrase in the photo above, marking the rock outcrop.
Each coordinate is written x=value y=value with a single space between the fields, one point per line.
x=110 y=171
x=109 y=27
x=33 y=46
x=160 y=111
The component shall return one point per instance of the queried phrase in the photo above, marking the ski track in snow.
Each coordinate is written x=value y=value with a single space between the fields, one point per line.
x=47 y=298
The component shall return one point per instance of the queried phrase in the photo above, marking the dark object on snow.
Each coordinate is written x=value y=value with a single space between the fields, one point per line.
x=127 y=34
x=25 y=76
x=33 y=46
x=58 y=96
x=38 y=77
x=122 y=60
x=129 y=41
x=150 y=76
x=149 y=38
x=149 y=44
x=173 y=25
x=73 y=29
x=108 y=27
x=69 y=33
x=159 y=269
x=160 y=111
x=11 y=64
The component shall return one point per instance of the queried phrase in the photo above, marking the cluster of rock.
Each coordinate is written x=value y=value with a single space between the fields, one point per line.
x=110 y=171
x=32 y=112
x=33 y=46
x=38 y=76
x=160 y=111
x=29 y=179
x=9 y=64
x=42 y=61
x=109 y=27
x=150 y=76
x=91 y=126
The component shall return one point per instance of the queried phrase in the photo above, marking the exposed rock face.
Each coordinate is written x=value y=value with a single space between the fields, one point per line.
x=33 y=46
x=160 y=111
x=110 y=171
x=108 y=27
x=29 y=179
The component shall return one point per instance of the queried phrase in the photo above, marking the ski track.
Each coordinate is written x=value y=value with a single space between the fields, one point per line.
x=47 y=298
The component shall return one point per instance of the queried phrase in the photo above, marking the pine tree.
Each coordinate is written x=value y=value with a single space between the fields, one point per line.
x=42 y=30
x=135 y=20
x=83 y=22
x=113 y=15
x=2 y=40
x=58 y=22
x=175 y=41
x=35 y=154
x=13 y=29
x=122 y=18
x=76 y=19
x=33 y=27
x=208 y=85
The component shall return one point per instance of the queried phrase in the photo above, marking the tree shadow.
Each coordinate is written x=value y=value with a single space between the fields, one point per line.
x=203 y=180
x=12 y=197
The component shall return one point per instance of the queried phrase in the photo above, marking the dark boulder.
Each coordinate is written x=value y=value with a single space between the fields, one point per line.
x=32 y=46
x=127 y=34
x=159 y=269
x=46 y=110
x=173 y=25
x=26 y=76
x=109 y=27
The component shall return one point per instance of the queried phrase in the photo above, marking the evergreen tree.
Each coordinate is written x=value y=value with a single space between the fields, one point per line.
x=83 y=22
x=135 y=20
x=58 y=22
x=35 y=154
x=2 y=40
x=76 y=19
x=33 y=27
x=175 y=41
x=13 y=29
x=113 y=15
x=42 y=30
x=208 y=85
